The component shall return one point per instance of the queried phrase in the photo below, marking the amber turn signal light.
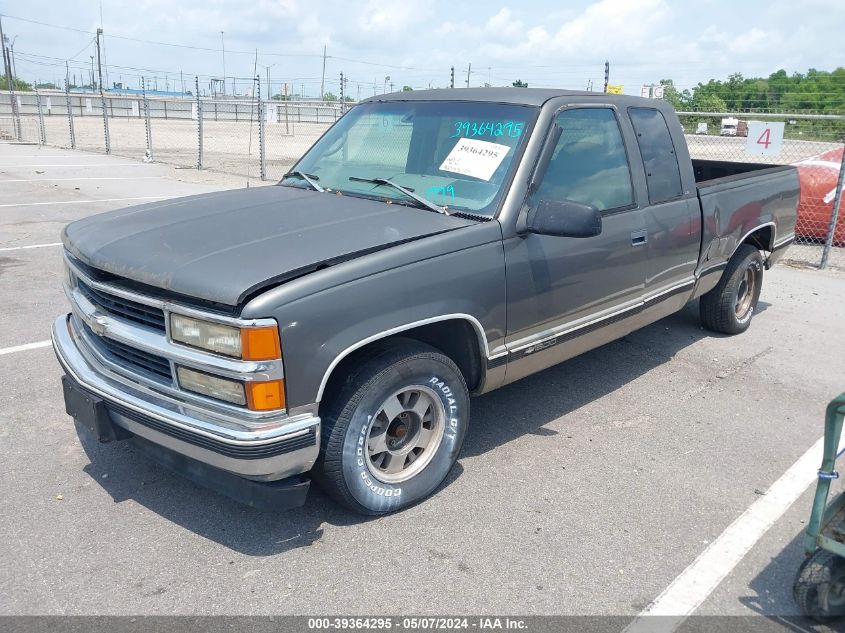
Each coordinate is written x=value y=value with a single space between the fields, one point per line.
x=265 y=396
x=260 y=343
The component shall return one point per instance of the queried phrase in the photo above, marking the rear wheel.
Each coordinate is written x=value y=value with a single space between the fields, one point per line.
x=819 y=587
x=729 y=306
x=393 y=430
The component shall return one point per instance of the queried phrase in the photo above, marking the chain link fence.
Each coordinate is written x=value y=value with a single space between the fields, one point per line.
x=235 y=135
x=259 y=138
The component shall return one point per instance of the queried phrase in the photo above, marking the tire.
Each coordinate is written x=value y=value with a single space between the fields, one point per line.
x=819 y=588
x=729 y=306
x=393 y=430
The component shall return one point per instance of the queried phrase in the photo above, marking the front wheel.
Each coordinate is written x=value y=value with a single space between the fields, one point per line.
x=393 y=430
x=728 y=308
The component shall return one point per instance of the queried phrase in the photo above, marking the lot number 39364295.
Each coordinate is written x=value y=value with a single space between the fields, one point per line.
x=764 y=138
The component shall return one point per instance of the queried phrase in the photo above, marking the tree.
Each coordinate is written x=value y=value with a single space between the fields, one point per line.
x=17 y=84
x=705 y=102
x=49 y=85
x=679 y=100
x=407 y=89
x=520 y=84
x=349 y=99
x=329 y=96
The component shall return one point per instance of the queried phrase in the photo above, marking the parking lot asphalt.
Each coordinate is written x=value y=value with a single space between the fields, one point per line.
x=585 y=489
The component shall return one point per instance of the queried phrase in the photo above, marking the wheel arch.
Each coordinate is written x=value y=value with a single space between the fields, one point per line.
x=762 y=236
x=459 y=336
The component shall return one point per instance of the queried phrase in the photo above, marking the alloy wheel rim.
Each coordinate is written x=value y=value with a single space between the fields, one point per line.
x=745 y=292
x=404 y=434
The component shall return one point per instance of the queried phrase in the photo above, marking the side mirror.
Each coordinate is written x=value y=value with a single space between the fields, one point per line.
x=564 y=218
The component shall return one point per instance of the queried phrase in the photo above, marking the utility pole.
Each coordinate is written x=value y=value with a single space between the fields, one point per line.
x=452 y=78
x=469 y=70
x=342 y=105
x=223 y=49
x=105 y=61
x=92 y=72
x=606 y=74
x=323 y=79
x=6 y=70
x=12 y=57
x=99 y=60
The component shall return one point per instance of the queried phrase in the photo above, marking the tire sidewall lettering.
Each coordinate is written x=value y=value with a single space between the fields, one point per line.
x=361 y=482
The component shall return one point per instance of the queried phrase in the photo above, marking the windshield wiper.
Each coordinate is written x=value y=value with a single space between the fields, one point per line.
x=428 y=204
x=306 y=177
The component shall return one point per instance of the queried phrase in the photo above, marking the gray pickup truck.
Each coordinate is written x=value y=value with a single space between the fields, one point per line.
x=430 y=246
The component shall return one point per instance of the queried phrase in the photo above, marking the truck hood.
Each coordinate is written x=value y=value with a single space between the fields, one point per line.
x=223 y=247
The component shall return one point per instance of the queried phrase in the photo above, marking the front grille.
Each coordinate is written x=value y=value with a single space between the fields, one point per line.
x=124 y=308
x=157 y=367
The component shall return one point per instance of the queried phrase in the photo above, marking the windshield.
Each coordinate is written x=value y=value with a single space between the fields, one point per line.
x=456 y=155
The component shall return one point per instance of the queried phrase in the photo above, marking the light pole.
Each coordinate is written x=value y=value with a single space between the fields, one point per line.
x=267 y=68
x=386 y=79
x=92 y=73
x=223 y=49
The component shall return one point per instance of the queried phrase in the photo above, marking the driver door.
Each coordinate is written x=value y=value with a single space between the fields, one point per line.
x=566 y=294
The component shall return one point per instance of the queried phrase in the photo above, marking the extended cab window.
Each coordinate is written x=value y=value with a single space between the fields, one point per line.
x=658 y=153
x=589 y=164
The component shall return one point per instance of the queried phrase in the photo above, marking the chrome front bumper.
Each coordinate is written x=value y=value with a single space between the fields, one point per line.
x=264 y=451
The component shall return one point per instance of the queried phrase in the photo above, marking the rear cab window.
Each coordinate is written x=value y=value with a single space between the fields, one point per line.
x=663 y=176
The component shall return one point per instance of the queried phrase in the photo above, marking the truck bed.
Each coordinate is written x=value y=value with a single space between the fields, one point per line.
x=738 y=198
x=707 y=170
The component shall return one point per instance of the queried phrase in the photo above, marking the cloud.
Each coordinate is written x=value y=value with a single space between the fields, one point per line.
x=536 y=40
x=503 y=24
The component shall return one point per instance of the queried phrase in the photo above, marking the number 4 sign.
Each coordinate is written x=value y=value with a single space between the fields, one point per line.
x=764 y=138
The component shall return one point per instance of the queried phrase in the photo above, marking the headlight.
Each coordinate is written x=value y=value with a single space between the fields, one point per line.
x=252 y=343
x=222 y=339
x=211 y=386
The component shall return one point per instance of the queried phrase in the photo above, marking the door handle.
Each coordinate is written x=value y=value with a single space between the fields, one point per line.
x=638 y=238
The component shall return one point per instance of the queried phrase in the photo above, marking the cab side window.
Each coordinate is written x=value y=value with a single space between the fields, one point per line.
x=658 y=152
x=589 y=164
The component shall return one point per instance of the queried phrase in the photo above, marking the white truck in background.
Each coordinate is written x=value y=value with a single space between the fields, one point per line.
x=732 y=126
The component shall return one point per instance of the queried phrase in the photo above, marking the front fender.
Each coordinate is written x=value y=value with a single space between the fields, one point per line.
x=322 y=325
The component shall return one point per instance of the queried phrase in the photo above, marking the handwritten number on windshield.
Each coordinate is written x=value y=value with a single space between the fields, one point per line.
x=511 y=129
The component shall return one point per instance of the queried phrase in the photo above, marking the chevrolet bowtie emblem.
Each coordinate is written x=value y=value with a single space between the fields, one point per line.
x=99 y=325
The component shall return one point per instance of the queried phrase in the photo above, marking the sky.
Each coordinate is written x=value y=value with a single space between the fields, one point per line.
x=379 y=43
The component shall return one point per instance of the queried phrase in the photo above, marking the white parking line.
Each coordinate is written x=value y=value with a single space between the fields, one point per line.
x=42 y=204
x=24 y=348
x=23 y=248
x=82 y=178
x=689 y=590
